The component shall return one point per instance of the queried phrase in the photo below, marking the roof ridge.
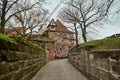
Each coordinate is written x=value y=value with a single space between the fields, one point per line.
x=61 y=26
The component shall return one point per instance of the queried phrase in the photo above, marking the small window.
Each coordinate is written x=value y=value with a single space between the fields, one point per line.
x=60 y=49
x=52 y=27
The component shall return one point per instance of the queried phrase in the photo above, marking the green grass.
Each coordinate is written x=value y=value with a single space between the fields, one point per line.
x=27 y=43
x=7 y=43
x=13 y=43
x=6 y=38
x=90 y=43
x=107 y=43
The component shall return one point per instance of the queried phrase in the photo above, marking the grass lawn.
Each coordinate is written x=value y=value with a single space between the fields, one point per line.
x=107 y=43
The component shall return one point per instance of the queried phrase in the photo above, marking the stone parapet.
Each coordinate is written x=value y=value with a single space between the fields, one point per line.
x=97 y=65
x=20 y=65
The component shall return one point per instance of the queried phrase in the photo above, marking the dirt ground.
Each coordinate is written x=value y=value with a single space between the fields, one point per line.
x=59 y=70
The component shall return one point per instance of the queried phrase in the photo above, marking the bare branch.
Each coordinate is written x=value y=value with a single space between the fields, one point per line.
x=97 y=12
x=11 y=5
x=89 y=9
x=110 y=2
x=18 y=12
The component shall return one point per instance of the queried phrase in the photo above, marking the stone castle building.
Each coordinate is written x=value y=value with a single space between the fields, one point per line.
x=56 y=39
x=61 y=39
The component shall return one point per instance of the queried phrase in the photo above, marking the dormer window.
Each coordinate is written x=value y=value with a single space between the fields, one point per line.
x=53 y=24
x=52 y=27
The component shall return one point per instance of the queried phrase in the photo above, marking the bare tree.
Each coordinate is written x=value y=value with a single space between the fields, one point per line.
x=86 y=13
x=5 y=6
x=69 y=15
x=29 y=20
x=5 y=14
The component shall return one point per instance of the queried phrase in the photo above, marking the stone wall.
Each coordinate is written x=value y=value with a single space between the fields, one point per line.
x=19 y=65
x=20 y=60
x=97 y=65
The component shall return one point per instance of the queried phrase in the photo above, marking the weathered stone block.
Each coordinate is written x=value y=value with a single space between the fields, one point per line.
x=4 y=68
x=116 y=67
x=6 y=77
x=104 y=63
x=17 y=75
x=92 y=70
x=30 y=74
x=97 y=72
x=111 y=77
x=14 y=66
x=103 y=75
x=115 y=55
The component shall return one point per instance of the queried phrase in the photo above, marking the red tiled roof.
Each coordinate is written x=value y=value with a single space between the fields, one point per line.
x=12 y=29
x=19 y=28
x=61 y=27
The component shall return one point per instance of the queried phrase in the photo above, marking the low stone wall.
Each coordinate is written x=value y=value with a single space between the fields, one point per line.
x=97 y=65
x=16 y=65
x=19 y=58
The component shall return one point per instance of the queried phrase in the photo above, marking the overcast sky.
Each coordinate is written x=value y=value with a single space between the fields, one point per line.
x=107 y=30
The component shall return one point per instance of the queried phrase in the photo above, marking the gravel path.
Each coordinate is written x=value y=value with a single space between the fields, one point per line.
x=59 y=70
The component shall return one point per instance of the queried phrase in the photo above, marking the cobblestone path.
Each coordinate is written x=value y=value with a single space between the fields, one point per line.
x=59 y=70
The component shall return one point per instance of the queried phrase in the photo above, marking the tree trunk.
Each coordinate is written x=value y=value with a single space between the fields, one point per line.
x=2 y=24
x=84 y=35
x=76 y=34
